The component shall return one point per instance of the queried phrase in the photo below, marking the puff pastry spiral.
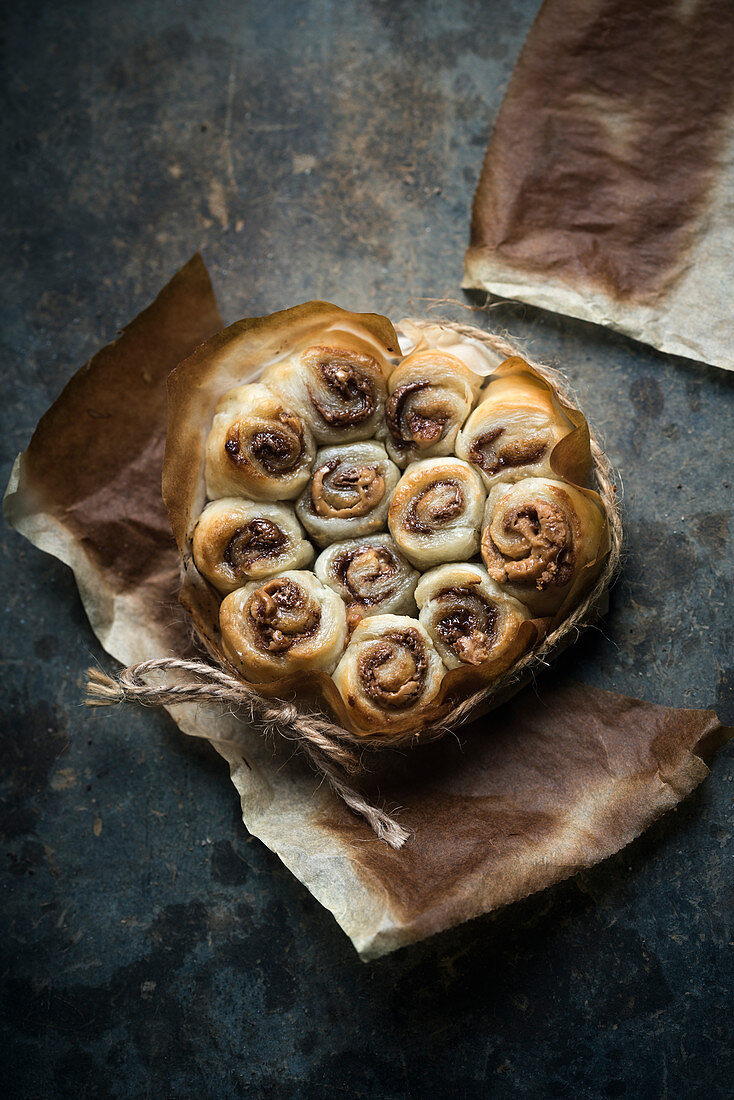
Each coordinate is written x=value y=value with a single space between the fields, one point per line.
x=436 y=512
x=430 y=395
x=257 y=447
x=239 y=540
x=389 y=671
x=538 y=537
x=470 y=619
x=512 y=431
x=370 y=575
x=340 y=391
x=289 y=623
x=349 y=492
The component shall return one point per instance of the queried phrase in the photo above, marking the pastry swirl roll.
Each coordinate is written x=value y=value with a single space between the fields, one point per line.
x=436 y=511
x=257 y=447
x=339 y=391
x=349 y=492
x=430 y=395
x=538 y=537
x=289 y=623
x=470 y=619
x=389 y=671
x=239 y=540
x=512 y=431
x=370 y=575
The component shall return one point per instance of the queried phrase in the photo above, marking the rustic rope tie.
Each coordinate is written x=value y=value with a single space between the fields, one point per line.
x=333 y=751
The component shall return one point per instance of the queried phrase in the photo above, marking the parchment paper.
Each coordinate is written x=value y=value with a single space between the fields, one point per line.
x=549 y=784
x=607 y=190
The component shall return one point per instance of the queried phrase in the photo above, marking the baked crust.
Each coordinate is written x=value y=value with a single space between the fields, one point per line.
x=238 y=356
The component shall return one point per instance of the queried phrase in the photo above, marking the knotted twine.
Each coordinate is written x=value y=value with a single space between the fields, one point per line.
x=335 y=753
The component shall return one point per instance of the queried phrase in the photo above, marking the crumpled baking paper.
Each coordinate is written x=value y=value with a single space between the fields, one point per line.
x=607 y=190
x=555 y=781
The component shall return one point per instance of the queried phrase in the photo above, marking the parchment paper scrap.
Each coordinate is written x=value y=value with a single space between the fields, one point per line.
x=538 y=790
x=607 y=190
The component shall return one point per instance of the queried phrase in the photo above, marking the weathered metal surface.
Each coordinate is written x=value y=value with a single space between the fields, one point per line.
x=150 y=948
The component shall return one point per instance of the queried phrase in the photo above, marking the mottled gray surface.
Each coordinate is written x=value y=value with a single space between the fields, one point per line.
x=150 y=947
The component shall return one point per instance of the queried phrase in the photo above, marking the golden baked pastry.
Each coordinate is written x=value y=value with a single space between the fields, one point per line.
x=431 y=393
x=470 y=619
x=349 y=492
x=289 y=623
x=436 y=511
x=257 y=447
x=513 y=430
x=339 y=389
x=389 y=672
x=302 y=420
x=370 y=575
x=538 y=538
x=238 y=540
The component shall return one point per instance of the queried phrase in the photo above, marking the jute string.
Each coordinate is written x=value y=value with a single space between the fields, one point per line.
x=336 y=753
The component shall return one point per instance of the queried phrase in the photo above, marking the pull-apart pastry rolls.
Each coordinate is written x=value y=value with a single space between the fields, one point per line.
x=430 y=395
x=298 y=431
x=540 y=538
x=257 y=447
x=370 y=575
x=289 y=623
x=436 y=512
x=238 y=540
x=339 y=390
x=513 y=429
x=390 y=671
x=349 y=492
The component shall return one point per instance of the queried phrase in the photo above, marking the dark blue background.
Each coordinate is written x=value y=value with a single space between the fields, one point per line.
x=150 y=948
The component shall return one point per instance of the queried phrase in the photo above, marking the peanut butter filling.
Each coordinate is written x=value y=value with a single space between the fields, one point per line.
x=393 y=670
x=468 y=625
x=282 y=615
x=434 y=506
x=543 y=553
x=517 y=452
x=339 y=491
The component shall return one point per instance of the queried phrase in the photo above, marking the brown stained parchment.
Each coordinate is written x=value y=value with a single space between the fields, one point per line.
x=93 y=466
x=555 y=781
x=111 y=406
x=607 y=187
x=550 y=783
